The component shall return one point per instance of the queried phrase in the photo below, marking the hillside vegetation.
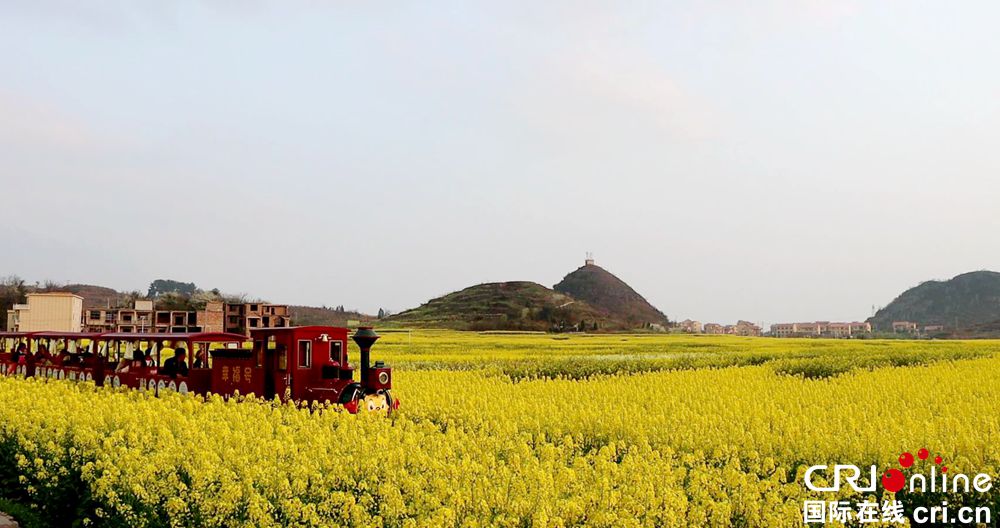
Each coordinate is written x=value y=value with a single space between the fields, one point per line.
x=588 y=299
x=519 y=305
x=609 y=294
x=966 y=301
x=323 y=316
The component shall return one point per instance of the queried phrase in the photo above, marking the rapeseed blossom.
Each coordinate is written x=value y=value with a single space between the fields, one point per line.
x=477 y=442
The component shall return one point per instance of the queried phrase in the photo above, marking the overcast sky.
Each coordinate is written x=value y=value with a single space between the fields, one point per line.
x=773 y=160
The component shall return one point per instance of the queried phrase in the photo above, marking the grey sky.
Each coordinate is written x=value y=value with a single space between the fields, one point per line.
x=768 y=160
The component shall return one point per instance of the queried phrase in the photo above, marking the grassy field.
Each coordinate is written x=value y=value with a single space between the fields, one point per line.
x=515 y=430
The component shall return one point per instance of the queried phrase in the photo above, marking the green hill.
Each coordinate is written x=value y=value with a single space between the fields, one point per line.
x=519 y=305
x=966 y=301
x=610 y=295
x=589 y=298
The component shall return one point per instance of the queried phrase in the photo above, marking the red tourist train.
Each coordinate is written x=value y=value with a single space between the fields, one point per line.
x=305 y=363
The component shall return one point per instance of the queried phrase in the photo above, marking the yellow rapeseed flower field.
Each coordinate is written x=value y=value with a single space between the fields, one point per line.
x=512 y=430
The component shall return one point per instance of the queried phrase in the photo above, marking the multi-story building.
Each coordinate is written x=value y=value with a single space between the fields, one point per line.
x=838 y=330
x=12 y=317
x=55 y=311
x=744 y=328
x=142 y=319
x=689 y=326
x=241 y=318
x=215 y=317
x=860 y=328
x=741 y=328
x=714 y=329
x=784 y=329
x=821 y=329
x=905 y=327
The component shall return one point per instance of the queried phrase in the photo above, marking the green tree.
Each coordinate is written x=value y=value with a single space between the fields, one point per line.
x=163 y=286
x=12 y=291
x=173 y=301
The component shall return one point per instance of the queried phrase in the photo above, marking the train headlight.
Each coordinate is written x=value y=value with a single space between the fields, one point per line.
x=383 y=377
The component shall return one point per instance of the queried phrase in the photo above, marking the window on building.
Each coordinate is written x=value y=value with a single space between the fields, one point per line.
x=305 y=353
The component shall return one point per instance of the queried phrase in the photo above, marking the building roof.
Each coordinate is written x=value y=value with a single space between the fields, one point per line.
x=55 y=294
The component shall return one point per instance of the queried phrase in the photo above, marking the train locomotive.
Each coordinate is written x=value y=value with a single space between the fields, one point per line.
x=304 y=364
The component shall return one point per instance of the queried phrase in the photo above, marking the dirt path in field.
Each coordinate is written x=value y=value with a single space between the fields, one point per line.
x=6 y=521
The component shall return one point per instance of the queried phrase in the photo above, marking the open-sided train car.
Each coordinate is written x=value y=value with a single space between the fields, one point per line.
x=306 y=363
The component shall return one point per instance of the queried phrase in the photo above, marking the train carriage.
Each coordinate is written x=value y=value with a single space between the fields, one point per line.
x=120 y=347
x=306 y=364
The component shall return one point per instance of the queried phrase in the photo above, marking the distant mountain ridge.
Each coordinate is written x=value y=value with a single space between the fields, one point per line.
x=965 y=301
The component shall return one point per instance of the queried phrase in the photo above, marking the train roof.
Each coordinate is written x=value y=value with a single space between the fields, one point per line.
x=200 y=337
x=65 y=335
x=318 y=328
x=16 y=334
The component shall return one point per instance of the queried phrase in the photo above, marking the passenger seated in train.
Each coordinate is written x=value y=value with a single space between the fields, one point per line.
x=87 y=359
x=65 y=358
x=151 y=358
x=18 y=357
x=177 y=365
x=43 y=355
x=201 y=361
x=137 y=362
x=68 y=359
